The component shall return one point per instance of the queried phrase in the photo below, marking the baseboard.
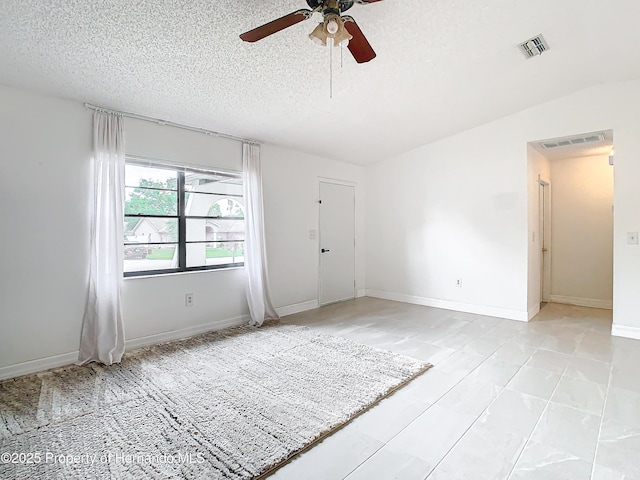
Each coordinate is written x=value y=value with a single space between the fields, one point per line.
x=39 y=365
x=361 y=293
x=42 y=364
x=627 y=332
x=184 y=332
x=521 y=316
x=533 y=311
x=582 y=302
x=297 y=308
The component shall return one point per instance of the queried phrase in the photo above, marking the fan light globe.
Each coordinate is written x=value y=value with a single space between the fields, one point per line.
x=319 y=36
x=342 y=38
x=332 y=27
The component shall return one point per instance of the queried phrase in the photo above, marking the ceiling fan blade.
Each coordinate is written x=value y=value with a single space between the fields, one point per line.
x=276 y=25
x=364 y=2
x=358 y=46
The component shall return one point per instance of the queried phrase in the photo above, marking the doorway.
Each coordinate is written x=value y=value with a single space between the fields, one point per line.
x=571 y=228
x=337 y=242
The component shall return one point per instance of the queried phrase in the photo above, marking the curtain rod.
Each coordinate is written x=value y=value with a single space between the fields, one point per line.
x=171 y=124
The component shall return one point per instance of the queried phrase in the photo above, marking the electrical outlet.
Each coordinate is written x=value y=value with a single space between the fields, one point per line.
x=188 y=300
x=459 y=283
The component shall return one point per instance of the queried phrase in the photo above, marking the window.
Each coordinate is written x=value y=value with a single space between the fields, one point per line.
x=181 y=219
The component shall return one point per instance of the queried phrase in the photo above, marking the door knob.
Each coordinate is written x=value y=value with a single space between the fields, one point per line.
x=325 y=250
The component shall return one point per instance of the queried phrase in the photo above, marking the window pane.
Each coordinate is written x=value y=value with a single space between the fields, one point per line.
x=201 y=254
x=220 y=183
x=214 y=230
x=150 y=202
x=204 y=205
x=139 y=176
x=141 y=258
x=150 y=230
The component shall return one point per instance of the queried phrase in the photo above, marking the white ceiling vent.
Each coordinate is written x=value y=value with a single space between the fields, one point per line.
x=534 y=46
x=565 y=142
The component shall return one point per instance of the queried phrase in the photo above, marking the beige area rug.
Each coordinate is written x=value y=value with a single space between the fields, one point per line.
x=233 y=404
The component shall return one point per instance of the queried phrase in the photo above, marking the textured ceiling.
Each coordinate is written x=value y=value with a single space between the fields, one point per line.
x=443 y=65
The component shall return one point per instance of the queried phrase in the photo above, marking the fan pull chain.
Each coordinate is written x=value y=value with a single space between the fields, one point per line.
x=330 y=68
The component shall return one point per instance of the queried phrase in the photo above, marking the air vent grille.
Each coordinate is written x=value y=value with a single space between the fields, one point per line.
x=565 y=142
x=534 y=46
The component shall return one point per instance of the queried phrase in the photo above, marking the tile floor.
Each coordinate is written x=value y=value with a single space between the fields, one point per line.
x=556 y=398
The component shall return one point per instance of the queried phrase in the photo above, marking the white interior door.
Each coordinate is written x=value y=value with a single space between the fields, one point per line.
x=337 y=242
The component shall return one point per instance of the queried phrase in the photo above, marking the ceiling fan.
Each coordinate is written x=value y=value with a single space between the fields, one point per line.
x=341 y=29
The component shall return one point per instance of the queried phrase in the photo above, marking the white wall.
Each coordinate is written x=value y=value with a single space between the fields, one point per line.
x=582 y=231
x=459 y=208
x=45 y=153
x=455 y=209
x=45 y=148
x=291 y=193
x=538 y=168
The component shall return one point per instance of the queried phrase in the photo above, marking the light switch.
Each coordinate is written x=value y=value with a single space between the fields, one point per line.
x=632 y=238
x=313 y=234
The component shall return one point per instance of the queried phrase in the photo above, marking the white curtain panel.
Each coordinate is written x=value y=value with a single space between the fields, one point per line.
x=102 y=338
x=255 y=252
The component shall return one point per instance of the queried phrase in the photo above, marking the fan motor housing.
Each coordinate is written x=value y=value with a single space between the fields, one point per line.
x=344 y=4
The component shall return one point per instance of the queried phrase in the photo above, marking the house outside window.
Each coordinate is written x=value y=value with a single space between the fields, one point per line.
x=181 y=219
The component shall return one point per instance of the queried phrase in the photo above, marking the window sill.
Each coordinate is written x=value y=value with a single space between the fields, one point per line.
x=193 y=272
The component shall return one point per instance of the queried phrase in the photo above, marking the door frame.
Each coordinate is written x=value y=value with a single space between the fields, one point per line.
x=345 y=183
x=544 y=234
